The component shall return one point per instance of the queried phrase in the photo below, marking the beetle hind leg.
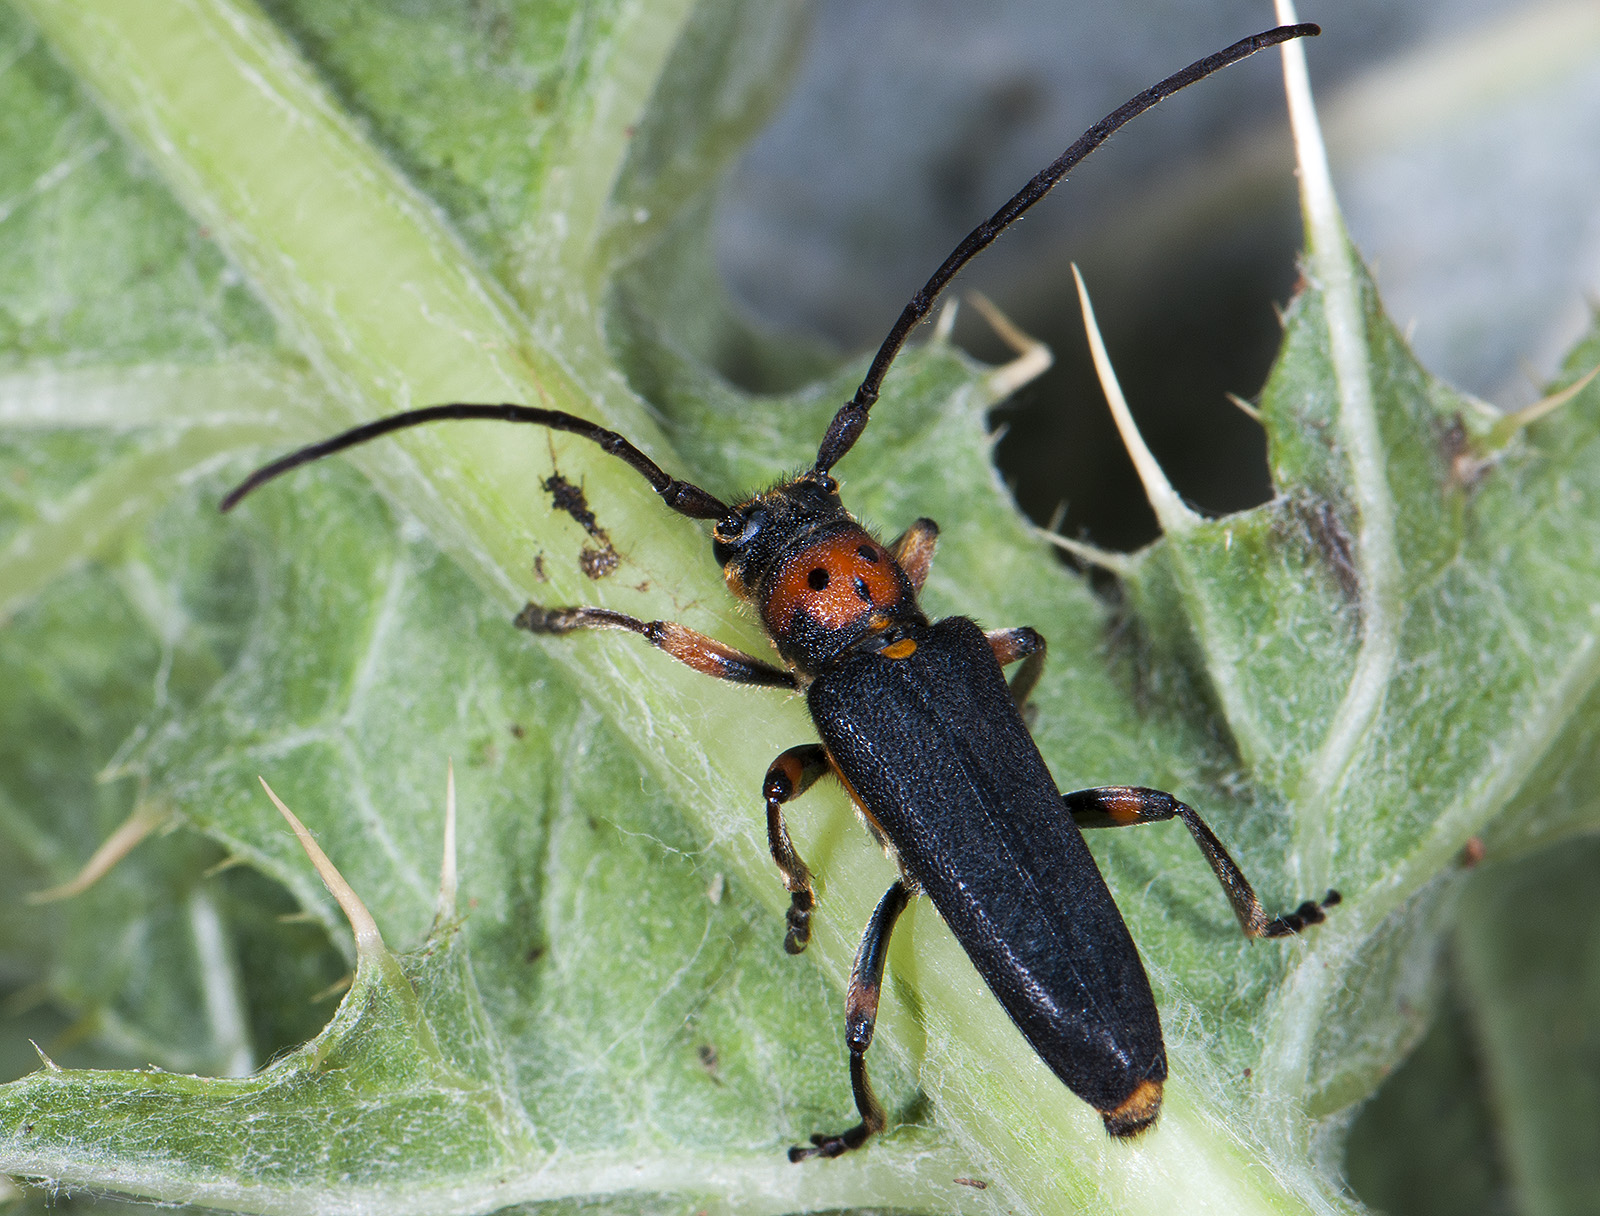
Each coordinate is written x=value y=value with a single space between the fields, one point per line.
x=860 y=1016
x=1116 y=806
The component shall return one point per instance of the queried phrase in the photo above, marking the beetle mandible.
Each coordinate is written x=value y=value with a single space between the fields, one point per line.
x=917 y=721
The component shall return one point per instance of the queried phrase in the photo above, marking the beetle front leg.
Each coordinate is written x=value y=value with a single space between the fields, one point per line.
x=1116 y=806
x=860 y=1016
x=706 y=655
x=913 y=550
x=789 y=776
x=1028 y=646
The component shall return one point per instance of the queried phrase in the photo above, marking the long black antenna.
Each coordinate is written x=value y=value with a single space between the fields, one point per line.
x=681 y=496
x=851 y=419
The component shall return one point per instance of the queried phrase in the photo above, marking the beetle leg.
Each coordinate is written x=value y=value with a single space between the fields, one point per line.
x=705 y=655
x=1028 y=645
x=1116 y=806
x=789 y=776
x=913 y=549
x=860 y=1015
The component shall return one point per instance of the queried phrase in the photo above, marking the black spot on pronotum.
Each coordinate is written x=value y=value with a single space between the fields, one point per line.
x=861 y=590
x=817 y=579
x=868 y=554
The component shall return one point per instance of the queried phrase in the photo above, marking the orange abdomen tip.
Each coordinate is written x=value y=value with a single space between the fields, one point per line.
x=1137 y=1113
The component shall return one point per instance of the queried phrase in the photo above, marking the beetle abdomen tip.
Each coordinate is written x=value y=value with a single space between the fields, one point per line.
x=1137 y=1113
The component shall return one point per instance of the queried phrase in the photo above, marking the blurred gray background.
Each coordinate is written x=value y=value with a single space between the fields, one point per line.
x=1465 y=136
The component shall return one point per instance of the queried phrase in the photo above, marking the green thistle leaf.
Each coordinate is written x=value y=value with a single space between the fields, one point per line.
x=241 y=231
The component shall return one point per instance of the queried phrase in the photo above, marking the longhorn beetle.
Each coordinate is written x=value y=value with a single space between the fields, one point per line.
x=918 y=723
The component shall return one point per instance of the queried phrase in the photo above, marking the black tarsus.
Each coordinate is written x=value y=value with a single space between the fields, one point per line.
x=681 y=496
x=851 y=419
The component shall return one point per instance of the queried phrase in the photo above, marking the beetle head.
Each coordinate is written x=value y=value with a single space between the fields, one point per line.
x=822 y=584
x=754 y=537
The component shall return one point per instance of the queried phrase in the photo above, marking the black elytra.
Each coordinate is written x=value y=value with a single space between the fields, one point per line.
x=916 y=719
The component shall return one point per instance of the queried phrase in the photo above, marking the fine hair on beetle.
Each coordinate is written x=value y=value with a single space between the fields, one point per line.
x=917 y=721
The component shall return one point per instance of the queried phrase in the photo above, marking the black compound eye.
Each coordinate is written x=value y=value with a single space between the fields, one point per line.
x=735 y=533
x=749 y=526
x=817 y=580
